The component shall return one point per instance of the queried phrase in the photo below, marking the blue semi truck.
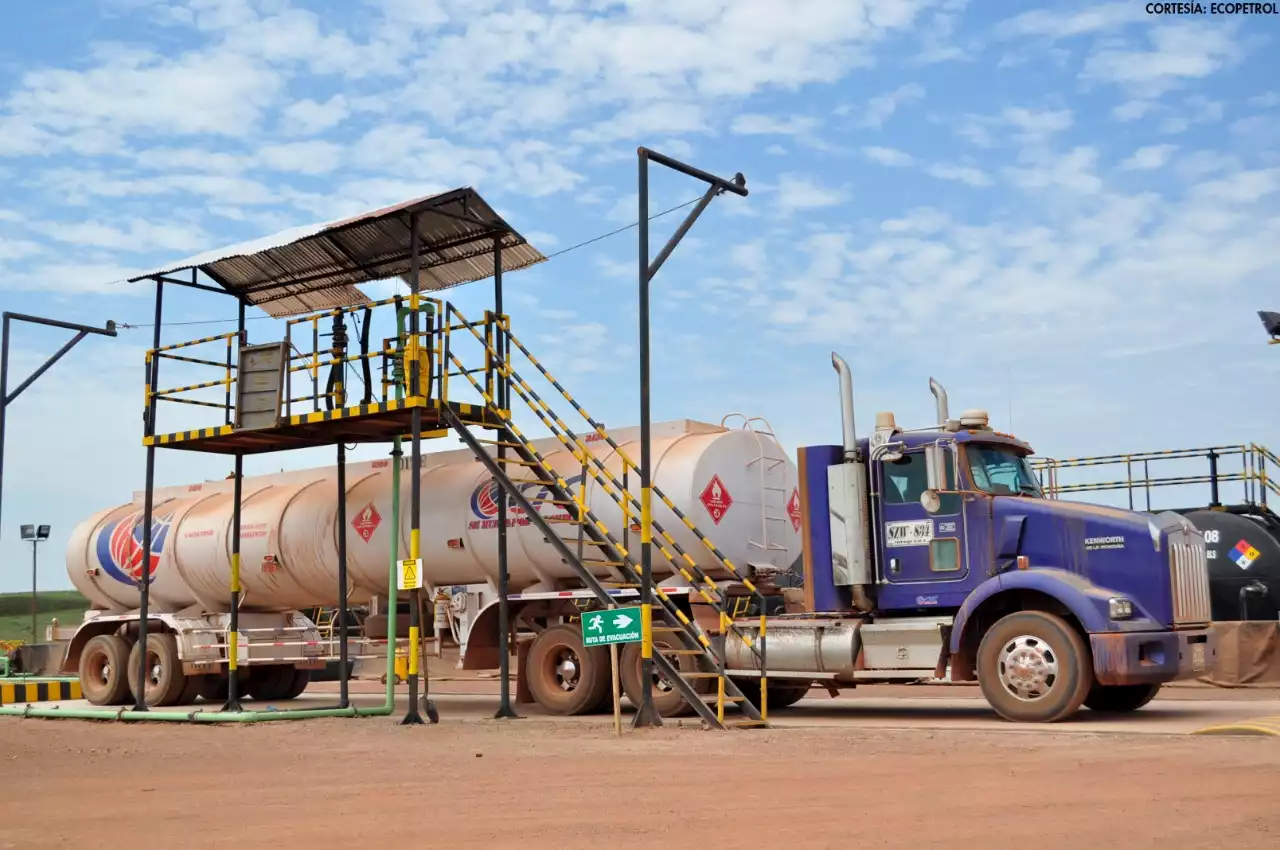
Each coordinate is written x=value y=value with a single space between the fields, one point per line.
x=932 y=553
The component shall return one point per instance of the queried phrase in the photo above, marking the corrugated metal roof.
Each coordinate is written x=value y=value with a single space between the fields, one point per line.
x=317 y=267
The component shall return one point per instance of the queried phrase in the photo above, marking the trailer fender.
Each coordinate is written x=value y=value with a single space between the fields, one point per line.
x=1086 y=601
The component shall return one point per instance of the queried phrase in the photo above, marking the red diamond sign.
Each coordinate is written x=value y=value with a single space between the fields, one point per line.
x=793 y=509
x=366 y=522
x=716 y=499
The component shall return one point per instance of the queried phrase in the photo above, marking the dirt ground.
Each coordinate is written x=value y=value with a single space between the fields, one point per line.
x=523 y=784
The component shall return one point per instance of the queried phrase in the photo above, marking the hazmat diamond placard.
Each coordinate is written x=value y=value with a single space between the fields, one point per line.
x=366 y=522
x=716 y=499
x=793 y=510
x=616 y=625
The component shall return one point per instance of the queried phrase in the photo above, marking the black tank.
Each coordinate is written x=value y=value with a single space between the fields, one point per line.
x=1242 y=549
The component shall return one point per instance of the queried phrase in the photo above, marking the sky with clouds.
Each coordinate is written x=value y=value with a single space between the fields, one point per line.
x=1068 y=214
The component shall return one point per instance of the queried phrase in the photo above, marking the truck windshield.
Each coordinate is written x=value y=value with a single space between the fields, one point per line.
x=1001 y=471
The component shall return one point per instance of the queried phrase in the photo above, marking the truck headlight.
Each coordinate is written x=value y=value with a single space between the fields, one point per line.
x=1120 y=608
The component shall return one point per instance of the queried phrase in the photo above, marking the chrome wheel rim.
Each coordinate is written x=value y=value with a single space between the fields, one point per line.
x=1028 y=667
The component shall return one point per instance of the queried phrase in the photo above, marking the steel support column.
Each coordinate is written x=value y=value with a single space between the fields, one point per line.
x=413 y=717
x=148 y=502
x=646 y=715
x=505 y=710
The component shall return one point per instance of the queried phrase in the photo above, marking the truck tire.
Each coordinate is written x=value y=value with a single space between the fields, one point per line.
x=565 y=677
x=215 y=687
x=667 y=701
x=1033 y=667
x=270 y=682
x=192 y=691
x=165 y=679
x=104 y=670
x=783 y=693
x=1120 y=698
x=301 y=678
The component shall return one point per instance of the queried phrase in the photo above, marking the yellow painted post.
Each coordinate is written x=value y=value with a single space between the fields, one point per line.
x=764 y=673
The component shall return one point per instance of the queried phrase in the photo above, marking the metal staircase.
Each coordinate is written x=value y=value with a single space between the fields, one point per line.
x=692 y=659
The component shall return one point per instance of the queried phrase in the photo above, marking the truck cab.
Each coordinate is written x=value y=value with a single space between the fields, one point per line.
x=933 y=553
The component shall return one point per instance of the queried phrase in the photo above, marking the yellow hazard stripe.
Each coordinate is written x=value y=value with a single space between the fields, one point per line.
x=27 y=692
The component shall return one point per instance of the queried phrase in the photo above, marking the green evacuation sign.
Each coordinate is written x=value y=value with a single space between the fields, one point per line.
x=617 y=625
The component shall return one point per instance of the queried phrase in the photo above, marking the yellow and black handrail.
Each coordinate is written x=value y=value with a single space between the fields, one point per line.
x=680 y=560
x=166 y=352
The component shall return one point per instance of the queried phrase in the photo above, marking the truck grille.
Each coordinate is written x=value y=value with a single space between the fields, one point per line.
x=1189 y=577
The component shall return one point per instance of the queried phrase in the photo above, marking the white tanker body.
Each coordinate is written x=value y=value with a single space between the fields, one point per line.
x=738 y=485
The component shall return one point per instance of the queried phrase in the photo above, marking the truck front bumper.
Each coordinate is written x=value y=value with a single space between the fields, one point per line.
x=1145 y=658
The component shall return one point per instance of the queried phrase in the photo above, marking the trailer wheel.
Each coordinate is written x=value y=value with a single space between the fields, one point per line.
x=194 y=685
x=564 y=676
x=1120 y=698
x=1034 y=668
x=667 y=701
x=215 y=687
x=165 y=679
x=104 y=670
x=270 y=682
x=298 y=684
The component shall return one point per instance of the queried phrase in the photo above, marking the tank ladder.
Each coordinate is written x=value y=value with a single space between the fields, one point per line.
x=691 y=660
x=773 y=482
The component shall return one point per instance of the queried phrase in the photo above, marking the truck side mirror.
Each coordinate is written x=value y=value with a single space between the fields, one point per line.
x=935 y=460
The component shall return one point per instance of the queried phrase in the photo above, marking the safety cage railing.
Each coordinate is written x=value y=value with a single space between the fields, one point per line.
x=1247 y=465
x=336 y=359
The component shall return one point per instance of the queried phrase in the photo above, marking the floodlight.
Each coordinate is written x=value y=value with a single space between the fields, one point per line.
x=42 y=533
x=28 y=532
x=1270 y=321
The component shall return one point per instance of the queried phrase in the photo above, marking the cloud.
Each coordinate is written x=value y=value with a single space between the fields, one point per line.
x=305 y=117
x=882 y=107
x=773 y=125
x=1149 y=157
x=1178 y=52
x=1055 y=25
x=960 y=173
x=887 y=156
x=797 y=192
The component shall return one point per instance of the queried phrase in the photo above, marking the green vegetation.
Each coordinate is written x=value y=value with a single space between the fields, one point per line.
x=67 y=606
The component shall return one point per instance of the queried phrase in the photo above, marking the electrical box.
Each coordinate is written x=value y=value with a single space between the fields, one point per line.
x=260 y=384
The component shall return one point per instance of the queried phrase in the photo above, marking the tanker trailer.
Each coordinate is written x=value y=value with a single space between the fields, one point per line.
x=733 y=481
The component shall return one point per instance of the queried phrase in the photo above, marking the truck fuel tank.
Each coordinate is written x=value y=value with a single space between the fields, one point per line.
x=825 y=647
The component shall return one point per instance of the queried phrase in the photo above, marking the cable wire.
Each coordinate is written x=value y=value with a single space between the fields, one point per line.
x=561 y=252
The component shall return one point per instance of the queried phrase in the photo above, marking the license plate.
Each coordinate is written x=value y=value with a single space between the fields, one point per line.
x=1197 y=656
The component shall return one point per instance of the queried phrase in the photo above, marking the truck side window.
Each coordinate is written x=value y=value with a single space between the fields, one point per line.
x=905 y=479
x=944 y=555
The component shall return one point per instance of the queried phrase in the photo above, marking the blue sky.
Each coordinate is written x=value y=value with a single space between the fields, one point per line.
x=1066 y=213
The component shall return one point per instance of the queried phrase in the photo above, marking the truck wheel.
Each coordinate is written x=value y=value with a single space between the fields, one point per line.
x=189 y=694
x=667 y=701
x=298 y=684
x=215 y=687
x=165 y=679
x=1034 y=668
x=270 y=682
x=104 y=670
x=1120 y=698
x=783 y=693
x=564 y=676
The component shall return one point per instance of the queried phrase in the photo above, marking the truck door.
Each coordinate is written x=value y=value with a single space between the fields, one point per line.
x=918 y=546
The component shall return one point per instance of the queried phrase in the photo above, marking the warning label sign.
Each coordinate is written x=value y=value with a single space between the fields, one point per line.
x=793 y=509
x=716 y=499
x=366 y=522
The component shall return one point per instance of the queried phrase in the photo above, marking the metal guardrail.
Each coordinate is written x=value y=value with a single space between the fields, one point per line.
x=1247 y=465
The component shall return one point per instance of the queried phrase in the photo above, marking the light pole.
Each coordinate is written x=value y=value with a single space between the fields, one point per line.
x=37 y=534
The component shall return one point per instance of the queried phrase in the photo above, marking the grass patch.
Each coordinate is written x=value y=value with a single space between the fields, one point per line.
x=67 y=606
